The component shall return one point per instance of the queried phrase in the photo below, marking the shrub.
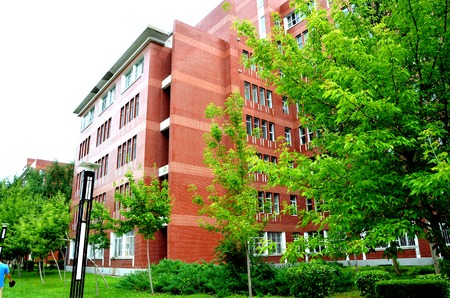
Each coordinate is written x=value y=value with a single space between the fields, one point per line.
x=412 y=288
x=312 y=280
x=365 y=281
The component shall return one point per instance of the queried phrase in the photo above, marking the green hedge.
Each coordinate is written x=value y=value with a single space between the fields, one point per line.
x=412 y=288
x=365 y=281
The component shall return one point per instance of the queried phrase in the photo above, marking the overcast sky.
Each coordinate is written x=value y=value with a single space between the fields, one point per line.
x=52 y=53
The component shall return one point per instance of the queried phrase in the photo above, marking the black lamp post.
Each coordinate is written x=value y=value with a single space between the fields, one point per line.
x=81 y=240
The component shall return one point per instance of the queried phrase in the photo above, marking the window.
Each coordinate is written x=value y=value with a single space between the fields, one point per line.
x=256 y=125
x=293 y=203
x=133 y=74
x=262 y=26
x=285 y=105
x=129 y=111
x=123 y=245
x=272 y=131
x=310 y=135
x=126 y=152
x=264 y=129
x=88 y=118
x=302 y=134
x=84 y=148
x=103 y=170
x=287 y=135
x=273 y=159
x=302 y=38
x=309 y=206
x=316 y=245
x=292 y=19
x=103 y=132
x=262 y=96
x=406 y=241
x=255 y=93
x=249 y=121
x=98 y=253
x=107 y=99
x=247 y=91
x=276 y=203
x=271 y=243
x=261 y=201
x=269 y=98
x=268 y=205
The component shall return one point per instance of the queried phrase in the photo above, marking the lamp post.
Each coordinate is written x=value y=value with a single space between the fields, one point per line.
x=2 y=238
x=82 y=236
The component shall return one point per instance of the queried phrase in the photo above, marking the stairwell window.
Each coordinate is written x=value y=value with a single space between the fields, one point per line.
x=132 y=74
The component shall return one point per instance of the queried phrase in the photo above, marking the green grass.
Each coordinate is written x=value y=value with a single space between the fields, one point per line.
x=30 y=285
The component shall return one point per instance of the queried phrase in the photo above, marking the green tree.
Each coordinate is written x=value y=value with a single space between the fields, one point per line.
x=232 y=197
x=146 y=208
x=58 y=178
x=372 y=84
x=44 y=229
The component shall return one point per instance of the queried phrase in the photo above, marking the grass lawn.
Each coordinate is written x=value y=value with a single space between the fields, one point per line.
x=30 y=285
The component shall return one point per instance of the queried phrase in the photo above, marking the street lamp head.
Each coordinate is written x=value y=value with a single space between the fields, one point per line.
x=91 y=166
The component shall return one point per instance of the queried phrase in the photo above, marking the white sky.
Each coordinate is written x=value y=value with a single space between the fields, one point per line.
x=52 y=53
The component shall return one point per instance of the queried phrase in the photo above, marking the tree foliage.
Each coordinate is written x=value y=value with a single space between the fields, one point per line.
x=372 y=83
x=232 y=197
x=146 y=208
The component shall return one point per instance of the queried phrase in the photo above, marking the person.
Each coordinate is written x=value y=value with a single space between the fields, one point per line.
x=4 y=272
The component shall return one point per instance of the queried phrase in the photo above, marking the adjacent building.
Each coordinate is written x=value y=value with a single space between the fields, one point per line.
x=147 y=112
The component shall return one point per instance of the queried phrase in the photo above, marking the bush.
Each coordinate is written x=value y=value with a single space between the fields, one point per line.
x=365 y=281
x=312 y=280
x=412 y=288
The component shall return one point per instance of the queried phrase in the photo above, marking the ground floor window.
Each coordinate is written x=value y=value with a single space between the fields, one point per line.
x=122 y=245
x=270 y=244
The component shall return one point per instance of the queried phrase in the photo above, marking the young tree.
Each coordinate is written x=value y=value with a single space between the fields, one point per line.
x=146 y=208
x=373 y=86
x=101 y=223
x=44 y=230
x=232 y=197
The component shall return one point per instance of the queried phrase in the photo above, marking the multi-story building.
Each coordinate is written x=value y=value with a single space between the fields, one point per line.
x=147 y=111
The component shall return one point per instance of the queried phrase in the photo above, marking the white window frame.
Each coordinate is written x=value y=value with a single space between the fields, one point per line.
x=302 y=134
x=285 y=105
x=108 y=99
x=293 y=203
x=267 y=237
x=132 y=74
x=122 y=247
x=276 y=203
x=269 y=98
x=272 y=131
x=288 y=135
x=88 y=118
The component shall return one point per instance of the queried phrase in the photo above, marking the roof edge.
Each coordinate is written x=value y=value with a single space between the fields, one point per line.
x=150 y=34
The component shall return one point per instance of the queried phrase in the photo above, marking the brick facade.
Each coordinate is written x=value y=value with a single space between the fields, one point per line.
x=182 y=73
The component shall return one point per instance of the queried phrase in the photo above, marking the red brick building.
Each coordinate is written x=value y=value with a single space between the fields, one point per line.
x=148 y=109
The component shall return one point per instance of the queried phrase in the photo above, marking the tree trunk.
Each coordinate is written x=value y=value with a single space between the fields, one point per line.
x=396 y=265
x=99 y=271
x=437 y=269
x=40 y=271
x=249 y=273
x=149 y=267
x=57 y=265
